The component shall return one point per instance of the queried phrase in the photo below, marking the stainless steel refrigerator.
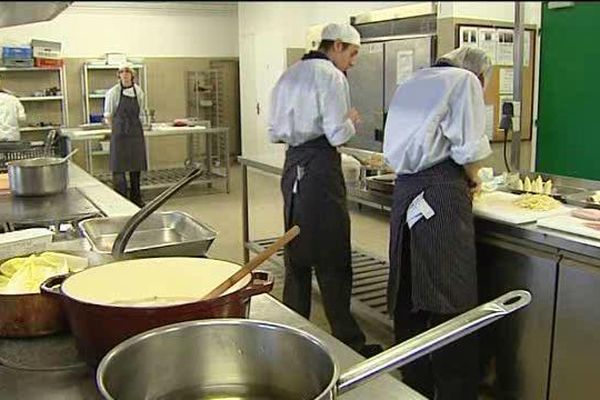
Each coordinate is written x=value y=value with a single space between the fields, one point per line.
x=381 y=66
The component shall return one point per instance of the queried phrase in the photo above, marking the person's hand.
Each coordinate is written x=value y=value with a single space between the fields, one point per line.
x=354 y=116
x=474 y=189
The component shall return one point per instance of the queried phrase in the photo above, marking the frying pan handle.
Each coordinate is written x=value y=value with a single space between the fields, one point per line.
x=262 y=282
x=51 y=286
x=433 y=339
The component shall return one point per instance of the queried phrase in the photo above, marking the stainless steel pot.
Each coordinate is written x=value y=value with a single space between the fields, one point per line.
x=246 y=359
x=38 y=176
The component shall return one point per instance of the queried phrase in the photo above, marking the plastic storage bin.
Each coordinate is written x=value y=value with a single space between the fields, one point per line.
x=16 y=52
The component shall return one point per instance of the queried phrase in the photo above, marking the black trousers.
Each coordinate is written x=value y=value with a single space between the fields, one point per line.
x=120 y=185
x=335 y=285
x=315 y=200
x=450 y=373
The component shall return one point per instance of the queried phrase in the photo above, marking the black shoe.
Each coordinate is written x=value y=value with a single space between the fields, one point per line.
x=370 y=350
x=138 y=202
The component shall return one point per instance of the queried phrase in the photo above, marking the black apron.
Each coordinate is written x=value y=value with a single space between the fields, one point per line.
x=443 y=275
x=127 y=145
x=314 y=195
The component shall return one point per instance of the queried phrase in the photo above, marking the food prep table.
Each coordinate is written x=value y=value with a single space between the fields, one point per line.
x=214 y=158
x=549 y=351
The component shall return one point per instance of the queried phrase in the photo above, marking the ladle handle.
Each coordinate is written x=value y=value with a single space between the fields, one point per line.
x=255 y=262
x=433 y=339
x=66 y=158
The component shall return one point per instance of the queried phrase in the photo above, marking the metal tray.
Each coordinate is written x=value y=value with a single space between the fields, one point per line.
x=582 y=199
x=172 y=233
x=381 y=183
x=559 y=192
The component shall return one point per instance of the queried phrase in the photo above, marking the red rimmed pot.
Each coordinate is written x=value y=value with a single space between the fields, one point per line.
x=107 y=304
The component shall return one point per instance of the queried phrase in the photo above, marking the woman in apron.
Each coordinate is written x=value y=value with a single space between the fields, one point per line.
x=123 y=105
x=434 y=140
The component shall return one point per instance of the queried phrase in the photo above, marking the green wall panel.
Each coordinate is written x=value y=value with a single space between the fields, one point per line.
x=569 y=93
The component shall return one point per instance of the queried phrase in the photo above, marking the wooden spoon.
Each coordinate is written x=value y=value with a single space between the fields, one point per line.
x=255 y=262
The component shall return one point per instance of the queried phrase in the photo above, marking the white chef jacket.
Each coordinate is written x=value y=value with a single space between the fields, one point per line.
x=11 y=112
x=111 y=100
x=437 y=114
x=311 y=99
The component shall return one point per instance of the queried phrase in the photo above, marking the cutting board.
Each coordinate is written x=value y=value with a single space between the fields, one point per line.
x=500 y=206
x=569 y=224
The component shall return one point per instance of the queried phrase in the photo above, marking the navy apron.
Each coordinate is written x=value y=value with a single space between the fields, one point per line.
x=127 y=145
x=441 y=259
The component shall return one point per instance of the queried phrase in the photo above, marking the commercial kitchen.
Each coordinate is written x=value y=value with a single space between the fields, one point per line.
x=176 y=292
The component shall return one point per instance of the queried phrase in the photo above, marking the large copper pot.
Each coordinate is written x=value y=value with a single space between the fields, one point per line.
x=28 y=315
x=31 y=315
x=99 y=325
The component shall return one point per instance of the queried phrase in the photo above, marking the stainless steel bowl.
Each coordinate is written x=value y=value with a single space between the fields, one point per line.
x=38 y=176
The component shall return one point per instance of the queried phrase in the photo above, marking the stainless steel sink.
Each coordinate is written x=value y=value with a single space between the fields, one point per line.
x=172 y=233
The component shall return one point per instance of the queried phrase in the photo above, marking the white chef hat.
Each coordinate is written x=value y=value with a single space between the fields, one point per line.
x=345 y=33
x=126 y=65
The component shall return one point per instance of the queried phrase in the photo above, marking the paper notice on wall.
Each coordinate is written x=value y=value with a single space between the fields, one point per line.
x=488 y=40
x=468 y=36
x=504 y=49
x=506 y=80
x=526 y=47
x=489 y=121
x=404 y=65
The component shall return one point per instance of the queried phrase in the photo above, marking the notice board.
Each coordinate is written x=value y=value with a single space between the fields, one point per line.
x=498 y=42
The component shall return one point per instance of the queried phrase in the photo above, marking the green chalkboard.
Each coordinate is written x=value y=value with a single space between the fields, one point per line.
x=569 y=91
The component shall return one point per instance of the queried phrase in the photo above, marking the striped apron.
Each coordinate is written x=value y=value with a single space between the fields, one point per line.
x=441 y=259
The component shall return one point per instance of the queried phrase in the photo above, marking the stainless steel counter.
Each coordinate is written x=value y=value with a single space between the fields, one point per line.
x=273 y=163
x=80 y=384
x=539 y=352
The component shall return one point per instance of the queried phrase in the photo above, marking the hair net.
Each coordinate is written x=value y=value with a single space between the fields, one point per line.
x=343 y=32
x=469 y=58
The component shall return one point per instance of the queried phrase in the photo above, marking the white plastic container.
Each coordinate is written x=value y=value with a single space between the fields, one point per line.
x=115 y=58
x=105 y=145
x=23 y=242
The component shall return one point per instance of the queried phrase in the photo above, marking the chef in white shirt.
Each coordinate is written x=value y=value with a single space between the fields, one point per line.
x=434 y=139
x=311 y=113
x=11 y=113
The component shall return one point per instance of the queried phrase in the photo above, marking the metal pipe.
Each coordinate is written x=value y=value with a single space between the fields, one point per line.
x=515 y=151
